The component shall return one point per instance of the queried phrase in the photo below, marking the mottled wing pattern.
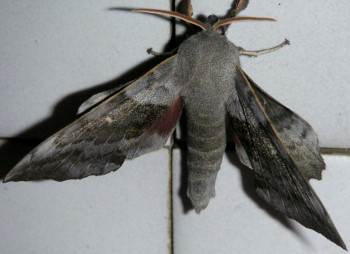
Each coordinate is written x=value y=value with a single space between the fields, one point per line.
x=138 y=119
x=281 y=155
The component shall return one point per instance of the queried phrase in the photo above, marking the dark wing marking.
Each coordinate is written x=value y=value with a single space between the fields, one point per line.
x=275 y=149
x=99 y=141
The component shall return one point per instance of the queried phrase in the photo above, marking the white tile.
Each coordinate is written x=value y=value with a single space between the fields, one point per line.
x=237 y=221
x=55 y=54
x=310 y=76
x=123 y=212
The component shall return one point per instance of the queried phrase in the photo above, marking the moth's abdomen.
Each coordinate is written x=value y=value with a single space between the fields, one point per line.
x=206 y=140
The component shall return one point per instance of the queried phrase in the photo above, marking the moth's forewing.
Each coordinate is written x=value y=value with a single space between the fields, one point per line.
x=280 y=148
x=99 y=141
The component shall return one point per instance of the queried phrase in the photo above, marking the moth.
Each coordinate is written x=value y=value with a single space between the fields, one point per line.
x=204 y=80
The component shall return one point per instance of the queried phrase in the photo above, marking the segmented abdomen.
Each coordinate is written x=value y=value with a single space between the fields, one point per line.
x=206 y=144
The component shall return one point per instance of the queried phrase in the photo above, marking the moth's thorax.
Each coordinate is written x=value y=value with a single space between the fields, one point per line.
x=211 y=48
x=207 y=65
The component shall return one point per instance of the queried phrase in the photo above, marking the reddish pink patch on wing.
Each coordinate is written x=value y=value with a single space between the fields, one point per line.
x=168 y=120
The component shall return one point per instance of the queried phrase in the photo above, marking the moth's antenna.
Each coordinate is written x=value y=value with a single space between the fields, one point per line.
x=225 y=22
x=173 y=14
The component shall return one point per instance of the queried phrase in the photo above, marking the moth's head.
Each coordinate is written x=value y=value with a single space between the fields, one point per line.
x=211 y=23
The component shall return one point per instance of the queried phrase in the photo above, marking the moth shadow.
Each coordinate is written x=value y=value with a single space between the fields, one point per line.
x=182 y=192
x=12 y=150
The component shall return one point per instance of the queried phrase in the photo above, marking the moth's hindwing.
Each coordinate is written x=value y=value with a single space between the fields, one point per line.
x=282 y=149
x=136 y=120
x=96 y=99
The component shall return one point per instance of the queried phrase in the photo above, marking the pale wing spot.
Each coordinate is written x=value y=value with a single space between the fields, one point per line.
x=109 y=120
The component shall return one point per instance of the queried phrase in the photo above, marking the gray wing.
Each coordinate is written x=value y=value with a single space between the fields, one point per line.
x=282 y=149
x=136 y=120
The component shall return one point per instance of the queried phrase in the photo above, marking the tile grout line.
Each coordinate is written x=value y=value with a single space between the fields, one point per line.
x=341 y=151
x=170 y=151
x=180 y=144
x=335 y=151
x=170 y=202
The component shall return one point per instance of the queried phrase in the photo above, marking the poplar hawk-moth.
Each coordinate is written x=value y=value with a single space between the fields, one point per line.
x=203 y=79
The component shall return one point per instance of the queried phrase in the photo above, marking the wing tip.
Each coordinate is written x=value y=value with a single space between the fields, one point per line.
x=6 y=180
x=17 y=171
x=15 y=175
x=339 y=241
x=10 y=177
x=342 y=244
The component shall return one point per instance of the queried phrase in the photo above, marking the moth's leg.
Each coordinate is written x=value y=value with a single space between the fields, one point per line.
x=238 y=6
x=263 y=51
x=155 y=53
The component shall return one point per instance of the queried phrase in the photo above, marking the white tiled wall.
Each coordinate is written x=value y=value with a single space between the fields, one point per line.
x=56 y=54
